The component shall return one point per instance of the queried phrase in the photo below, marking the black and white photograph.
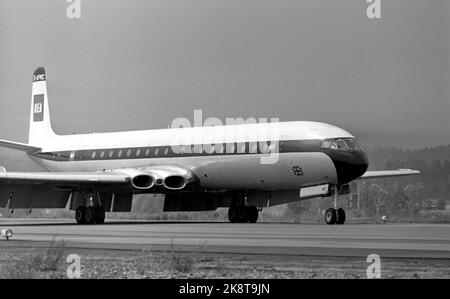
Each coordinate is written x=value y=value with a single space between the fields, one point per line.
x=224 y=145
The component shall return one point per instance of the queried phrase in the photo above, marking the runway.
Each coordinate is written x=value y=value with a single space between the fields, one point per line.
x=388 y=240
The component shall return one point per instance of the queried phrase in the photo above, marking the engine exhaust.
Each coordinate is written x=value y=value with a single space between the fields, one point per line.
x=175 y=182
x=142 y=181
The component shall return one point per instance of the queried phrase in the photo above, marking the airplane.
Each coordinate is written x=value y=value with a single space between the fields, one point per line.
x=96 y=173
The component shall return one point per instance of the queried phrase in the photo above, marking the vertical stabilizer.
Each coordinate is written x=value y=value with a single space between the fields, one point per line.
x=40 y=126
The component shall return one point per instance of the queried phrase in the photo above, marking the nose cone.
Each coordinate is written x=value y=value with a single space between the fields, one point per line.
x=362 y=163
x=350 y=165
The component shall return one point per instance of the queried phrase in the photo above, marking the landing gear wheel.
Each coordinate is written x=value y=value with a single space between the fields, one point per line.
x=330 y=216
x=100 y=215
x=90 y=215
x=79 y=215
x=233 y=214
x=239 y=214
x=251 y=214
x=340 y=216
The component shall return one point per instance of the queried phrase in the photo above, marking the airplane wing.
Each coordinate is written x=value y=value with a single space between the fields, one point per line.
x=388 y=173
x=53 y=189
x=115 y=177
x=18 y=146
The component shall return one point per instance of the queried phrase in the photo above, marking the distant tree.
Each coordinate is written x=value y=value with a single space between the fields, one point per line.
x=446 y=169
x=441 y=204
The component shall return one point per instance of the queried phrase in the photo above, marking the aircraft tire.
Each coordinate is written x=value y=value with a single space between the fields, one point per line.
x=233 y=214
x=251 y=213
x=79 y=215
x=90 y=215
x=330 y=216
x=340 y=216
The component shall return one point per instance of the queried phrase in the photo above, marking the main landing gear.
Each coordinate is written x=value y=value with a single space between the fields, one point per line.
x=240 y=212
x=243 y=214
x=90 y=215
x=335 y=215
x=89 y=209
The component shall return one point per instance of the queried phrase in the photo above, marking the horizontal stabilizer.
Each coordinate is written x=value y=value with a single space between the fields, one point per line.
x=18 y=146
x=388 y=173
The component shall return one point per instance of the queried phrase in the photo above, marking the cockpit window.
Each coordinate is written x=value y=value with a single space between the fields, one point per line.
x=326 y=143
x=350 y=144
x=341 y=144
x=353 y=144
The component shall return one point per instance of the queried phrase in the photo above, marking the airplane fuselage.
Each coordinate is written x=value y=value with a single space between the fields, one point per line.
x=285 y=155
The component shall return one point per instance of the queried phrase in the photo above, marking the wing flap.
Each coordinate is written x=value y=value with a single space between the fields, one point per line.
x=388 y=173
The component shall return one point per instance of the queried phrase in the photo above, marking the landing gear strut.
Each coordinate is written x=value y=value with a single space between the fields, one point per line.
x=239 y=212
x=335 y=215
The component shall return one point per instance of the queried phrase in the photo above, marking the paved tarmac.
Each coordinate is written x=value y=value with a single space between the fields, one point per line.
x=387 y=240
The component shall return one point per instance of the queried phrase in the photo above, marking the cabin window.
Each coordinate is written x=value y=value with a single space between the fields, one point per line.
x=147 y=152
x=156 y=152
x=243 y=148
x=231 y=148
x=111 y=153
x=138 y=153
x=128 y=153
x=264 y=148
x=219 y=148
x=197 y=148
x=185 y=149
x=93 y=155
x=102 y=154
x=166 y=151
x=119 y=154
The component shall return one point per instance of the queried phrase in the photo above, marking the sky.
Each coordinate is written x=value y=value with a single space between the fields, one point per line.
x=129 y=65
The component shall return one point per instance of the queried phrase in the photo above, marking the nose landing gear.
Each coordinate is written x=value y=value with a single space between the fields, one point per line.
x=335 y=215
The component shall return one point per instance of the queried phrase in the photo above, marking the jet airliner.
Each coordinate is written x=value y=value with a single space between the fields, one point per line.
x=92 y=174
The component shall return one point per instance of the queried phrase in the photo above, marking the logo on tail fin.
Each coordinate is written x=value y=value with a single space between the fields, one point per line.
x=39 y=77
x=39 y=74
x=38 y=107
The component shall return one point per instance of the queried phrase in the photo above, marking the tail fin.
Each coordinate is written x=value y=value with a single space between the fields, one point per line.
x=40 y=125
